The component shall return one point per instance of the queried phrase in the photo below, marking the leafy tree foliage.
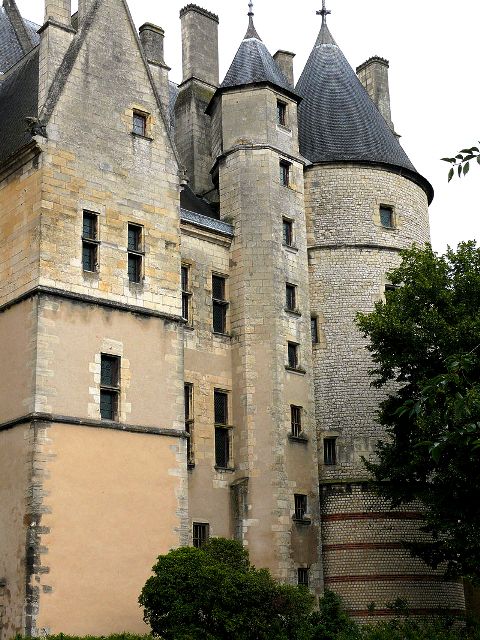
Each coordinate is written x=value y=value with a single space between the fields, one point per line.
x=214 y=593
x=426 y=339
x=461 y=162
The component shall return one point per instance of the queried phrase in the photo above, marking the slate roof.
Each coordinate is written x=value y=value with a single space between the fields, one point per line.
x=18 y=100
x=10 y=50
x=198 y=220
x=253 y=64
x=337 y=119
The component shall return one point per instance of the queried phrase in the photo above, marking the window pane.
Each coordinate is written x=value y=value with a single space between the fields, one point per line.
x=220 y=402
x=219 y=317
x=134 y=237
x=314 y=330
x=139 y=124
x=89 y=225
x=89 y=257
x=281 y=113
x=222 y=448
x=218 y=288
x=184 y=278
x=185 y=306
x=201 y=532
x=287 y=233
x=300 y=506
x=108 y=405
x=303 y=577
x=330 y=451
x=134 y=268
x=284 y=173
x=188 y=400
x=290 y=297
x=109 y=371
x=296 y=420
x=386 y=217
x=292 y=355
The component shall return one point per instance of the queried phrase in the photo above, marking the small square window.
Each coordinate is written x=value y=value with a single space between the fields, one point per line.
x=292 y=354
x=300 y=506
x=287 y=232
x=290 y=297
x=201 y=533
x=329 y=451
x=281 y=113
x=302 y=577
x=386 y=217
x=285 y=173
x=296 y=421
x=314 y=329
x=139 y=124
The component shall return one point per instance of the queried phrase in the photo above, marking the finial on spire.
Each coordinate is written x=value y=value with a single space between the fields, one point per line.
x=250 y=9
x=324 y=12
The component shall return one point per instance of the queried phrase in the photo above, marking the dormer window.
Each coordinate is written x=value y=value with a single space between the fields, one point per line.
x=139 y=124
x=281 y=113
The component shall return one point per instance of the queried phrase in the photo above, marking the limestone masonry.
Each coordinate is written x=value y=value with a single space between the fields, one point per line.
x=180 y=270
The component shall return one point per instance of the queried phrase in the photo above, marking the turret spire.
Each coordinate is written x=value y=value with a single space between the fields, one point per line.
x=251 y=31
x=324 y=12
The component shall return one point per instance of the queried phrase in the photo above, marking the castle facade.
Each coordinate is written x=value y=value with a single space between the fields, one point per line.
x=180 y=271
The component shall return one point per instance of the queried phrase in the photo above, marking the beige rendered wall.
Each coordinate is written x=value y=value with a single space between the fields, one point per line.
x=13 y=528
x=111 y=506
x=19 y=231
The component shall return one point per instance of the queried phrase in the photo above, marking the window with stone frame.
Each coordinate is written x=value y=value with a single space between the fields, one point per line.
x=281 y=113
x=290 y=297
x=314 y=329
x=287 y=232
x=296 y=421
x=301 y=506
x=330 y=451
x=139 y=125
x=292 y=355
x=135 y=253
x=302 y=577
x=285 y=167
x=222 y=430
x=90 y=242
x=219 y=304
x=201 y=534
x=189 y=423
x=109 y=387
x=386 y=217
x=186 y=294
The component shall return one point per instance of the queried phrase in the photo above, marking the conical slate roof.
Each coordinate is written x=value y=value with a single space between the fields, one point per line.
x=337 y=120
x=253 y=64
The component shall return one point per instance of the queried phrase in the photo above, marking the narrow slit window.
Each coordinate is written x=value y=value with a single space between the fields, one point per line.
x=90 y=241
x=222 y=430
x=186 y=294
x=135 y=253
x=281 y=113
x=287 y=232
x=109 y=386
x=330 y=451
x=296 y=421
x=314 y=329
x=189 y=422
x=201 y=534
x=291 y=297
x=292 y=355
x=219 y=304
x=285 y=173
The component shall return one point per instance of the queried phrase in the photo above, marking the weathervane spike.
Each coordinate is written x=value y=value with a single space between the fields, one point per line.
x=250 y=8
x=324 y=12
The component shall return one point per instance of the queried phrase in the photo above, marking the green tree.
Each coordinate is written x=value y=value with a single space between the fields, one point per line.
x=425 y=338
x=215 y=593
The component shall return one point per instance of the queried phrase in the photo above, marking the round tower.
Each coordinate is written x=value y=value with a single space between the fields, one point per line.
x=364 y=202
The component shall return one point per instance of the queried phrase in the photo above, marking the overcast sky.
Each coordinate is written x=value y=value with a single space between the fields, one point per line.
x=432 y=46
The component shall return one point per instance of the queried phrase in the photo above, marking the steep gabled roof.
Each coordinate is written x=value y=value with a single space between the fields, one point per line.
x=18 y=101
x=11 y=50
x=337 y=119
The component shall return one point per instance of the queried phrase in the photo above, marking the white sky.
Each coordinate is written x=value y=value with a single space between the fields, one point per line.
x=432 y=46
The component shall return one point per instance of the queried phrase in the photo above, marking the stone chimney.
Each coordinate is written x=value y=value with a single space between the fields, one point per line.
x=284 y=59
x=373 y=74
x=200 y=80
x=152 y=38
x=55 y=37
